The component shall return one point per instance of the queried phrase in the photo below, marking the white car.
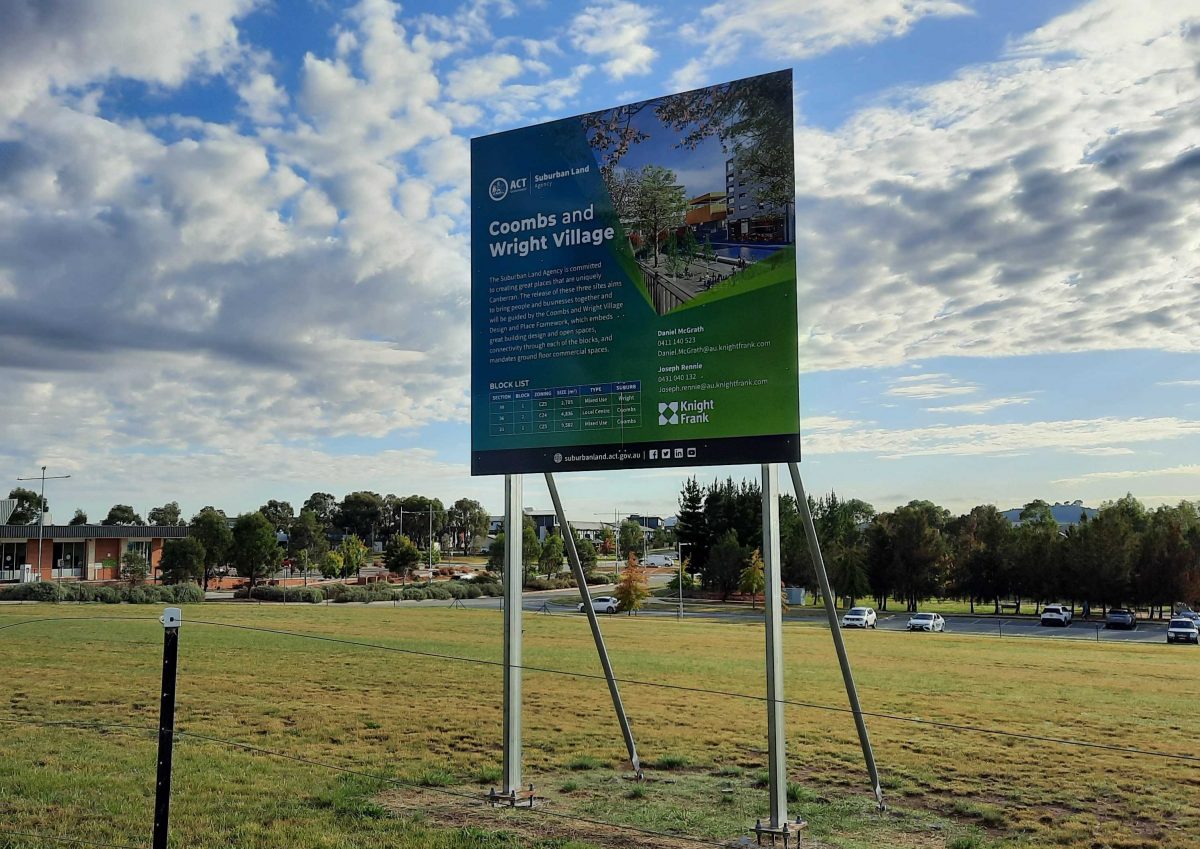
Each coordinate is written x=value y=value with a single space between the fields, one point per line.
x=1183 y=630
x=859 y=617
x=1056 y=614
x=660 y=560
x=603 y=604
x=926 y=622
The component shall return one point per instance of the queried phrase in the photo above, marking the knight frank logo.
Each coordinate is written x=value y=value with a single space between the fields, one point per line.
x=684 y=412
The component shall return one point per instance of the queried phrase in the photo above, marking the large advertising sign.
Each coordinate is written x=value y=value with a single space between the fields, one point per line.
x=634 y=286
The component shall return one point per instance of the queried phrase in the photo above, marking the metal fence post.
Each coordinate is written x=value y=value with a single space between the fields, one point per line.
x=171 y=619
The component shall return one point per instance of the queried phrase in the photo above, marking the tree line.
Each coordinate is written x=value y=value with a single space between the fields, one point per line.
x=1125 y=555
x=332 y=536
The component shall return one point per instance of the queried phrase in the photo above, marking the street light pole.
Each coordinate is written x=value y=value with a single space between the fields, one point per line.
x=42 y=513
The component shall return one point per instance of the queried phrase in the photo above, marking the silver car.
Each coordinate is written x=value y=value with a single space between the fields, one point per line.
x=603 y=604
x=1183 y=630
x=926 y=622
x=859 y=617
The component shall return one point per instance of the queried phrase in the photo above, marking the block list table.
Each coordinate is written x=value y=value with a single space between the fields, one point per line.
x=566 y=409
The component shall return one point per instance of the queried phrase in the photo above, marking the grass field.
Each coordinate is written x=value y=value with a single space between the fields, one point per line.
x=436 y=723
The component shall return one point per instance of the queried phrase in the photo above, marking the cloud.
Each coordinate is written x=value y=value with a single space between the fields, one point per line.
x=1045 y=203
x=617 y=29
x=1178 y=383
x=838 y=436
x=59 y=44
x=1192 y=471
x=978 y=408
x=927 y=386
x=789 y=31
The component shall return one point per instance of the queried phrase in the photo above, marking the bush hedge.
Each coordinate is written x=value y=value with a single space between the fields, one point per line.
x=54 y=591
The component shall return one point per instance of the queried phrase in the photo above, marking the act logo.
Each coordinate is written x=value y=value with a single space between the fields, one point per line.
x=498 y=190
x=668 y=413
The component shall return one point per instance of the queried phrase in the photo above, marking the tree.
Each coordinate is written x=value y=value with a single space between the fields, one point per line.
x=210 y=527
x=134 y=567
x=496 y=554
x=586 y=552
x=360 y=514
x=26 y=511
x=724 y=566
x=531 y=549
x=122 y=514
x=331 y=565
x=661 y=204
x=307 y=540
x=400 y=555
x=255 y=550
x=325 y=507
x=182 y=561
x=753 y=580
x=634 y=587
x=168 y=514
x=551 y=559
x=469 y=521
x=279 y=514
x=354 y=555
x=80 y=517
x=633 y=538
x=690 y=528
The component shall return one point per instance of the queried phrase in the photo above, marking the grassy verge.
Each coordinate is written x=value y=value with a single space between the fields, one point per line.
x=436 y=723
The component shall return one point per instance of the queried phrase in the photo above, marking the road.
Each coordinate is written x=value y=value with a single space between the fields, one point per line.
x=564 y=602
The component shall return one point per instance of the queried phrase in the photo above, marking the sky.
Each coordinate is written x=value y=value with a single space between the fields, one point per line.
x=234 y=252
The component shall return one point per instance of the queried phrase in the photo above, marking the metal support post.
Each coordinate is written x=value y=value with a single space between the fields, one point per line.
x=172 y=618
x=839 y=645
x=773 y=610
x=586 y=596
x=514 y=529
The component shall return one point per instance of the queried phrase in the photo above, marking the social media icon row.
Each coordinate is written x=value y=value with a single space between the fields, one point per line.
x=668 y=453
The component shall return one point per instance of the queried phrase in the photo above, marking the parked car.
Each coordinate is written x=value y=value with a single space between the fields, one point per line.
x=1188 y=614
x=1120 y=617
x=603 y=604
x=859 y=617
x=660 y=560
x=926 y=622
x=1183 y=630
x=1056 y=614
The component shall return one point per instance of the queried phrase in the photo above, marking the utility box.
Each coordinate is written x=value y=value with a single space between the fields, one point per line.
x=797 y=595
x=27 y=574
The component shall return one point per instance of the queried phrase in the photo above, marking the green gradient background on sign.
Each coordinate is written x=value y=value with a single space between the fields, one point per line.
x=764 y=310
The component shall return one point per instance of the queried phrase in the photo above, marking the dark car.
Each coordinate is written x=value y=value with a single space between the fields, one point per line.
x=1121 y=617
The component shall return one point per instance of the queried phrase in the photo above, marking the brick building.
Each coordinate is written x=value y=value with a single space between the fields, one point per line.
x=78 y=552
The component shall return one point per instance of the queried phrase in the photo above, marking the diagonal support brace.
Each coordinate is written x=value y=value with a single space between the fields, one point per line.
x=594 y=624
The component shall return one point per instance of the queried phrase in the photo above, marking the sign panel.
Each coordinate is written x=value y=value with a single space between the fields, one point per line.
x=634 y=286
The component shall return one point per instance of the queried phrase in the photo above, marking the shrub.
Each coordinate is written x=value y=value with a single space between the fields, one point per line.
x=108 y=595
x=474 y=592
x=380 y=592
x=188 y=593
x=355 y=594
x=597 y=578
x=136 y=595
x=413 y=594
x=438 y=592
x=456 y=589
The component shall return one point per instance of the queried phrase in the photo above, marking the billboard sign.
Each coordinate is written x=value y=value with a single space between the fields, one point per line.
x=633 y=280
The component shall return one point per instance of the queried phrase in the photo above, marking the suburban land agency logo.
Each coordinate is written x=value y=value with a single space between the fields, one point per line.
x=685 y=412
x=498 y=190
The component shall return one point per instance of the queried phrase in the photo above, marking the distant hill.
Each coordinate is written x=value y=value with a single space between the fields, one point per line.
x=1065 y=514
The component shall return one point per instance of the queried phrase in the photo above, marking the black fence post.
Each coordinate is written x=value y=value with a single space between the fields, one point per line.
x=172 y=618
